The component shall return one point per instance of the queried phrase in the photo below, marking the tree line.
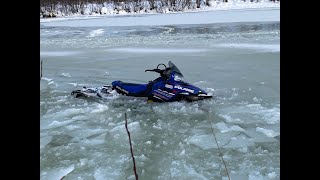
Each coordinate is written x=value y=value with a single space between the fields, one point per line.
x=52 y=8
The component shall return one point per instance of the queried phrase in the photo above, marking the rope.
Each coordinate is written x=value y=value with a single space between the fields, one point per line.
x=220 y=153
x=134 y=162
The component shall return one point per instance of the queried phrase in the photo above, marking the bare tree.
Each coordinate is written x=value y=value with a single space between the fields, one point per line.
x=50 y=7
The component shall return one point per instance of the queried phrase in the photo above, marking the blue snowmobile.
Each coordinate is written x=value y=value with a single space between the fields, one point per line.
x=170 y=86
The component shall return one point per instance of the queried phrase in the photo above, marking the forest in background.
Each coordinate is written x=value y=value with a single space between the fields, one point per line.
x=54 y=8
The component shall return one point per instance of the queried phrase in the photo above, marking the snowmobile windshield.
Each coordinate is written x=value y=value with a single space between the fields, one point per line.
x=178 y=75
x=174 y=68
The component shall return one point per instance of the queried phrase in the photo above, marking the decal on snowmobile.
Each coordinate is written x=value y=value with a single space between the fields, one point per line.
x=168 y=86
x=125 y=91
x=160 y=96
x=162 y=93
x=185 y=89
x=157 y=97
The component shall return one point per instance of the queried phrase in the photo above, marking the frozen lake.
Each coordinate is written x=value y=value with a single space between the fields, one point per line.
x=238 y=61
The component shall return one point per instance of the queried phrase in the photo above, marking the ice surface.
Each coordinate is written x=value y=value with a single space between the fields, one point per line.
x=66 y=74
x=272 y=175
x=54 y=124
x=44 y=141
x=230 y=119
x=95 y=33
x=257 y=112
x=100 y=139
x=204 y=141
x=240 y=141
x=73 y=84
x=103 y=173
x=224 y=128
x=268 y=132
x=61 y=118
x=179 y=170
x=46 y=79
x=58 y=53
x=226 y=140
x=101 y=108
x=120 y=130
x=255 y=175
x=156 y=50
x=260 y=47
x=57 y=173
x=72 y=127
x=258 y=136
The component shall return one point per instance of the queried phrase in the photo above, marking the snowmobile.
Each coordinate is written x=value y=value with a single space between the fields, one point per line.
x=169 y=87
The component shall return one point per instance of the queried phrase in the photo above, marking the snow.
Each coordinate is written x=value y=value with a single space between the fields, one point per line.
x=108 y=9
x=46 y=79
x=72 y=127
x=156 y=50
x=83 y=161
x=66 y=74
x=272 y=175
x=224 y=128
x=101 y=108
x=260 y=47
x=57 y=123
x=58 y=53
x=95 y=33
x=268 y=132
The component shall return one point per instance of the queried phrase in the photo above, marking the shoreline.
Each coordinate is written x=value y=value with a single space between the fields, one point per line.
x=185 y=18
x=246 y=6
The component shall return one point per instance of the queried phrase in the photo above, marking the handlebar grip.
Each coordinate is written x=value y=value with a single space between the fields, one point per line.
x=154 y=70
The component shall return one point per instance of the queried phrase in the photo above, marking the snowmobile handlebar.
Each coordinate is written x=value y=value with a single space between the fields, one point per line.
x=162 y=72
x=155 y=70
